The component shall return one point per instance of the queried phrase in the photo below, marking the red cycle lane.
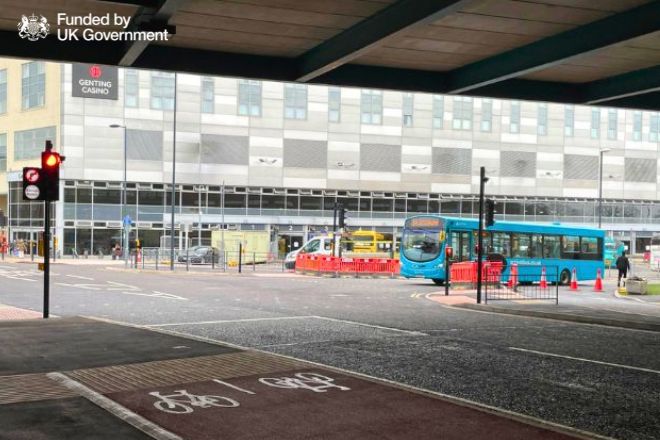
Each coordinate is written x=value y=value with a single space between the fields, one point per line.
x=317 y=404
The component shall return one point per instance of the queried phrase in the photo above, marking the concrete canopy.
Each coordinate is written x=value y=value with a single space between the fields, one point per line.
x=568 y=51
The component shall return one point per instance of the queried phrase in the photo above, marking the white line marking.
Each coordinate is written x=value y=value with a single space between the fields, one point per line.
x=542 y=353
x=18 y=278
x=80 y=277
x=410 y=332
x=275 y=318
x=114 y=408
x=242 y=390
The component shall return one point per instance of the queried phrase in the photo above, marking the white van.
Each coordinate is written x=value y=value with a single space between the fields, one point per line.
x=321 y=245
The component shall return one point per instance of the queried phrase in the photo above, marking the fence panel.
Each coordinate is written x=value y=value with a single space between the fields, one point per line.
x=531 y=285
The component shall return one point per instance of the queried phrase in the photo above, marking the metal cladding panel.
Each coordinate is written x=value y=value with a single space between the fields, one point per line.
x=517 y=164
x=301 y=153
x=232 y=150
x=451 y=161
x=580 y=167
x=380 y=157
x=641 y=170
x=144 y=145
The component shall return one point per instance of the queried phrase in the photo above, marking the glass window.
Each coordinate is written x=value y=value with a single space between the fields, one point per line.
x=108 y=196
x=514 y=126
x=595 y=123
x=235 y=201
x=637 y=126
x=536 y=249
x=420 y=244
x=450 y=206
x=272 y=202
x=486 y=115
x=551 y=246
x=589 y=245
x=311 y=203
x=29 y=144
x=542 y=128
x=570 y=246
x=462 y=113
x=151 y=198
x=295 y=101
x=84 y=195
x=654 y=126
x=3 y=152
x=334 y=104
x=569 y=120
x=611 y=124
x=162 y=91
x=416 y=206
x=372 y=106
x=131 y=88
x=521 y=246
x=383 y=205
x=208 y=95
x=3 y=91
x=34 y=84
x=513 y=208
x=408 y=106
x=249 y=97
x=438 y=111
x=501 y=244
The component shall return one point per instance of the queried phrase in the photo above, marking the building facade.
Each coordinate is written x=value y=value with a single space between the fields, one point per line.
x=276 y=156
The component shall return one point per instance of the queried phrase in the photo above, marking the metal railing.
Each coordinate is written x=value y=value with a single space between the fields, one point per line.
x=223 y=261
x=524 y=286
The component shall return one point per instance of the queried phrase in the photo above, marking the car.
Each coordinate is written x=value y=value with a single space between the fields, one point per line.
x=200 y=255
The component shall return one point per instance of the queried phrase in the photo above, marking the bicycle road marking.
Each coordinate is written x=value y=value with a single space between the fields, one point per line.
x=610 y=364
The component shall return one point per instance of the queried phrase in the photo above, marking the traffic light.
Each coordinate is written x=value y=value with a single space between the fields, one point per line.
x=341 y=212
x=33 y=184
x=449 y=252
x=50 y=170
x=490 y=212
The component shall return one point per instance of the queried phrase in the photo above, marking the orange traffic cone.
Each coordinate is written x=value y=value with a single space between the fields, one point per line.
x=544 y=283
x=598 y=286
x=574 y=284
x=513 y=276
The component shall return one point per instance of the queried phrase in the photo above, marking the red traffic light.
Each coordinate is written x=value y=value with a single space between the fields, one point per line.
x=449 y=252
x=49 y=160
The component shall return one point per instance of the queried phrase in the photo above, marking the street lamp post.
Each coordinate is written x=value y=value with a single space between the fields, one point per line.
x=123 y=198
x=600 y=185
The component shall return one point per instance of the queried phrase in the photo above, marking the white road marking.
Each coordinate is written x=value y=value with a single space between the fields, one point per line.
x=629 y=367
x=410 y=332
x=80 y=277
x=18 y=278
x=82 y=286
x=242 y=390
x=275 y=318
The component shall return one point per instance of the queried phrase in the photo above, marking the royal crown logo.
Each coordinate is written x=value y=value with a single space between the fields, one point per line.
x=33 y=27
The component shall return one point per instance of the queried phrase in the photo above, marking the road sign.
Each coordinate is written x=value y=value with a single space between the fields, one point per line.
x=127 y=220
x=32 y=175
x=32 y=192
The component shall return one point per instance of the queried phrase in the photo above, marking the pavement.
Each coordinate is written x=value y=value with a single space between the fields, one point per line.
x=80 y=378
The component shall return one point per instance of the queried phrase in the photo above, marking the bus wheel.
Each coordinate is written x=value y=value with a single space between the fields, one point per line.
x=564 y=277
x=439 y=282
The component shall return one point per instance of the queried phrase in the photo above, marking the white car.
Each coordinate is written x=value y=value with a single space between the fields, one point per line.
x=318 y=245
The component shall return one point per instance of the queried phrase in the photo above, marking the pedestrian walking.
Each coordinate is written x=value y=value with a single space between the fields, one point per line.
x=623 y=265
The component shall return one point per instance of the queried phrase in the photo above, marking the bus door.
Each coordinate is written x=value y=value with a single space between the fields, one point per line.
x=460 y=242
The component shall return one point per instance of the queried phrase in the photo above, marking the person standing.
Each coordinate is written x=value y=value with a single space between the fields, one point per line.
x=623 y=265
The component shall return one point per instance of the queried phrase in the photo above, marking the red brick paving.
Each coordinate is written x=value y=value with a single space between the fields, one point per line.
x=13 y=313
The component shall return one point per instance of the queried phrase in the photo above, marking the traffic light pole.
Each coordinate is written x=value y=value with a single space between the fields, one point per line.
x=46 y=257
x=480 y=239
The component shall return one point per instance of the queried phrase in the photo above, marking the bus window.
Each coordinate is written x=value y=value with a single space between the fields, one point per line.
x=589 y=246
x=570 y=247
x=520 y=246
x=537 y=247
x=551 y=246
x=501 y=243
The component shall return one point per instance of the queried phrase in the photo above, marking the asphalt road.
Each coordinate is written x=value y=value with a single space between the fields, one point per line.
x=593 y=378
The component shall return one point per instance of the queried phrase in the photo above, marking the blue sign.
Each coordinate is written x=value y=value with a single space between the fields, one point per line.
x=127 y=221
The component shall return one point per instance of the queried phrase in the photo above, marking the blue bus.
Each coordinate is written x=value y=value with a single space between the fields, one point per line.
x=530 y=245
